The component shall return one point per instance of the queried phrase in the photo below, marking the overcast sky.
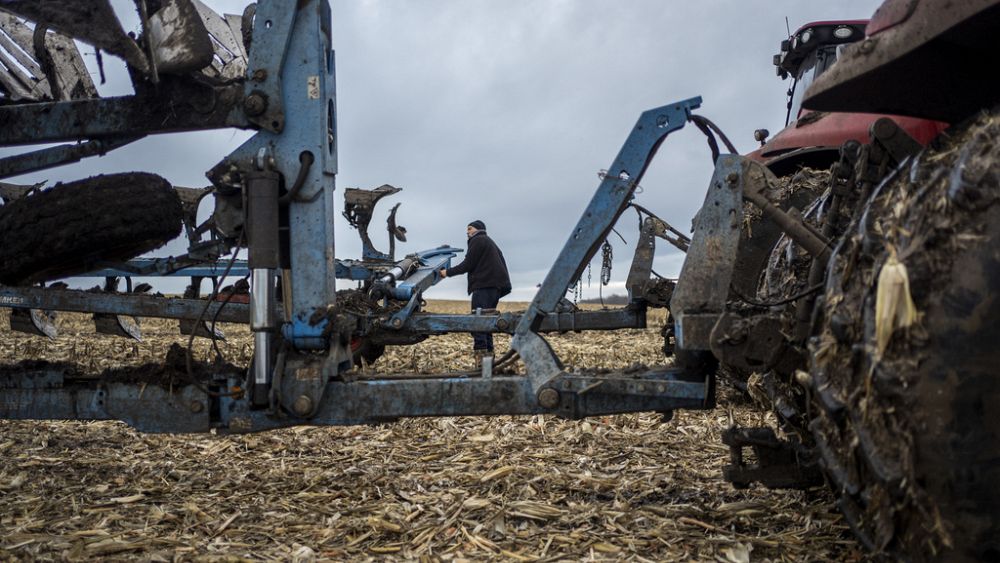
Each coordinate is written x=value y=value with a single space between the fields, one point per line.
x=505 y=111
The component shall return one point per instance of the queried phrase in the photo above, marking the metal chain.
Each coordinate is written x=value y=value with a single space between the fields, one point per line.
x=576 y=290
x=607 y=255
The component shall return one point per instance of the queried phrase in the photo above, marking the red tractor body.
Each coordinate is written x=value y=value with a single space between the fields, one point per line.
x=812 y=138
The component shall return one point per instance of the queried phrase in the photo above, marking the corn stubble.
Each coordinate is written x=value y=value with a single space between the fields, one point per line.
x=509 y=488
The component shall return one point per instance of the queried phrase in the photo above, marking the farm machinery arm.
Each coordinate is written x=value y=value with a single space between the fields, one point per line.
x=274 y=196
x=892 y=409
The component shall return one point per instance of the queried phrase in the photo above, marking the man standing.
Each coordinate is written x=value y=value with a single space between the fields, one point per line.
x=488 y=280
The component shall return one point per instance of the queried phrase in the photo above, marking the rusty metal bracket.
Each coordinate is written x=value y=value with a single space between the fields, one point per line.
x=758 y=178
x=896 y=141
x=703 y=286
x=263 y=102
x=639 y=284
x=780 y=464
x=301 y=383
x=752 y=343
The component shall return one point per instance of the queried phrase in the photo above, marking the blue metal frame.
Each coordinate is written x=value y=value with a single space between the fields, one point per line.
x=416 y=324
x=51 y=122
x=50 y=394
x=49 y=157
x=163 y=267
x=119 y=304
x=432 y=261
x=290 y=94
x=612 y=319
x=608 y=203
x=272 y=37
x=304 y=94
x=345 y=269
x=606 y=206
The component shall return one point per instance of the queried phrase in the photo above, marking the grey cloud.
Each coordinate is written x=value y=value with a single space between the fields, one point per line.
x=505 y=112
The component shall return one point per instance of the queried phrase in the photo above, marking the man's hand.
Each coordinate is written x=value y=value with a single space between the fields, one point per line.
x=443 y=273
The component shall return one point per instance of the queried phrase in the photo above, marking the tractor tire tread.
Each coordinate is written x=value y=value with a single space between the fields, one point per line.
x=68 y=229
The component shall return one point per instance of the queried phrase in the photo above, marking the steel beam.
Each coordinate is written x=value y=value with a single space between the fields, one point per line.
x=431 y=323
x=121 y=304
x=147 y=408
x=52 y=393
x=59 y=155
x=190 y=108
x=606 y=206
x=608 y=203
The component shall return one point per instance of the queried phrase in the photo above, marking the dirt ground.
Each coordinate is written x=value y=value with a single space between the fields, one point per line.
x=628 y=487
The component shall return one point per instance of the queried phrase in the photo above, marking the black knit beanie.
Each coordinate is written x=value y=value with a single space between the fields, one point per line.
x=478 y=225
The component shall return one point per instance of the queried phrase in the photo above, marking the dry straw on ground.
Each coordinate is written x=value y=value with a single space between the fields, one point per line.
x=536 y=488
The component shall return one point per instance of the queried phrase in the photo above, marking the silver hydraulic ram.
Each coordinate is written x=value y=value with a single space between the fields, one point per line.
x=400 y=270
x=384 y=285
x=262 y=230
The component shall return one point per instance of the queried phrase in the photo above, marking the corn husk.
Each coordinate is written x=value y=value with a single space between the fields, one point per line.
x=894 y=308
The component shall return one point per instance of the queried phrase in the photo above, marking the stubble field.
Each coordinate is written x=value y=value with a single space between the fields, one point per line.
x=510 y=488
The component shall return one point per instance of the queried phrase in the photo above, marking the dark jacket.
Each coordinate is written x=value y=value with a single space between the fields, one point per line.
x=485 y=265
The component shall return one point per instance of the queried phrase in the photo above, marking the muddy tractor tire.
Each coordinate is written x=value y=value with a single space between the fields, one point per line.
x=906 y=424
x=759 y=236
x=72 y=227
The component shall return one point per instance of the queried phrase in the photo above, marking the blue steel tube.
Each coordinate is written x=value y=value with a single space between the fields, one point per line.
x=606 y=206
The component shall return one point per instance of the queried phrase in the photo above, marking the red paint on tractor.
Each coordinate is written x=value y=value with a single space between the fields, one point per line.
x=817 y=136
x=832 y=129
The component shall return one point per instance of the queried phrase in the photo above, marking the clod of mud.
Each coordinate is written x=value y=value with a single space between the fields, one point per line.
x=12 y=375
x=172 y=372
